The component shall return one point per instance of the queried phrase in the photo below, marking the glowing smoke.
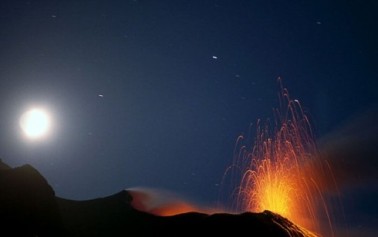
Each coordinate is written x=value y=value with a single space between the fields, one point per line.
x=163 y=203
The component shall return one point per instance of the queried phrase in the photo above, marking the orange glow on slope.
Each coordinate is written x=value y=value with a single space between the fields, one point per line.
x=280 y=172
x=151 y=201
x=162 y=203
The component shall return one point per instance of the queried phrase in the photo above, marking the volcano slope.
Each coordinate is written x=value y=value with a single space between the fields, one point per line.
x=29 y=207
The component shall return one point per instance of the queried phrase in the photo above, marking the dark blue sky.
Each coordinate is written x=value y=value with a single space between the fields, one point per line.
x=180 y=81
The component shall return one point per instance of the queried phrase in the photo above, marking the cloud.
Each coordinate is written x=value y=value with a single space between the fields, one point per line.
x=352 y=150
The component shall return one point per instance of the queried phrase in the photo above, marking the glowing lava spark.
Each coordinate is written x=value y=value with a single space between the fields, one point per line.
x=280 y=172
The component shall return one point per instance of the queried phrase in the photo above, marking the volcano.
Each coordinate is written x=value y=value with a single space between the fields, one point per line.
x=29 y=207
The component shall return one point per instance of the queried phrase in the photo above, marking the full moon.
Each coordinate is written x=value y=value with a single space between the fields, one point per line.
x=35 y=123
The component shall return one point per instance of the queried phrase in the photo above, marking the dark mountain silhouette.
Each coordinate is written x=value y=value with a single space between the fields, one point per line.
x=27 y=203
x=29 y=207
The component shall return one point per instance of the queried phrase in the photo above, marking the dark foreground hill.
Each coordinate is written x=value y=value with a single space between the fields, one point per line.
x=29 y=207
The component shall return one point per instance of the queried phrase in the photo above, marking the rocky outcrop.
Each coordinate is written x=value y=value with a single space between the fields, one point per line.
x=27 y=203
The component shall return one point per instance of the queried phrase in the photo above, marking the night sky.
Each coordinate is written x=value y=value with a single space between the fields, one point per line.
x=155 y=93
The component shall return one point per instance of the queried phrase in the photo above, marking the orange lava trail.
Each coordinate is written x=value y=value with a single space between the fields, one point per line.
x=280 y=171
